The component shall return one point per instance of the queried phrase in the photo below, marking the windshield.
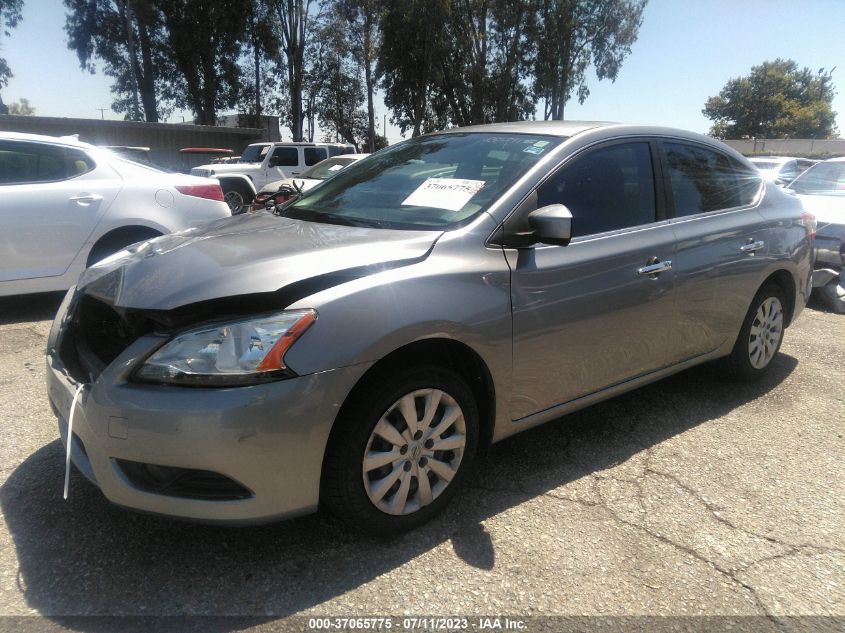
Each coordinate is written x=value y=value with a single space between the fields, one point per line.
x=254 y=153
x=821 y=178
x=326 y=168
x=430 y=182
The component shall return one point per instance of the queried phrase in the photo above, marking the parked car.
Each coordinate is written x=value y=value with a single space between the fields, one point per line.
x=445 y=293
x=781 y=170
x=822 y=192
x=65 y=205
x=279 y=191
x=261 y=163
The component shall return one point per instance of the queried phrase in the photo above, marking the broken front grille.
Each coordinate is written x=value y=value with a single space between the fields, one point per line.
x=95 y=336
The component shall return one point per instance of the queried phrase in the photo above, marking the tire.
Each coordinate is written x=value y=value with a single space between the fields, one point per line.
x=761 y=334
x=110 y=244
x=237 y=196
x=350 y=487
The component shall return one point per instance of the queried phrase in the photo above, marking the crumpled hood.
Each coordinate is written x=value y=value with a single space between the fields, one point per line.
x=244 y=255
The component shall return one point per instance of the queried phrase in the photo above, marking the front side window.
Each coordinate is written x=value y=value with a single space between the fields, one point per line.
x=704 y=180
x=23 y=163
x=607 y=189
x=430 y=182
x=285 y=157
x=314 y=155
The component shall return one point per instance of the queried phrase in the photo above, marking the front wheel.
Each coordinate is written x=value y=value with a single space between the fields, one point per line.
x=237 y=197
x=400 y=451
x=761 y=335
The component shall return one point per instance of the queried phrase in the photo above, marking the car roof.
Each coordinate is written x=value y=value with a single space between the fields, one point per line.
x=597 y=130
x=551 y=128
x=42 y=138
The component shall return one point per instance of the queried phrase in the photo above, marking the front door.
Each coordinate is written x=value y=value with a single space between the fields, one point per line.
x=600 y=310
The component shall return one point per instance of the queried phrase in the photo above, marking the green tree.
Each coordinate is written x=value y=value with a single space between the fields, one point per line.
x=335 y=79
x=21 y=107
x=575 y=34
x=776 y=100
x=10 y=15
x=413 y=40
x=261 y=48
x=205 y=40
x=128 y=37
x=489 y=53
x=295 y=18
x=364 y=26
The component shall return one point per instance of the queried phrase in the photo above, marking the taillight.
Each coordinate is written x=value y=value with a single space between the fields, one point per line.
x=209 y=192
x=809 y=220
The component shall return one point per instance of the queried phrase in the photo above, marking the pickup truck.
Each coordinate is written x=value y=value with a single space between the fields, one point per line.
x=261 y=163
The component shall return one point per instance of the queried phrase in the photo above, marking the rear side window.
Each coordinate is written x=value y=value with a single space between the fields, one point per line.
x=24 y=163
x=314 y=155
x=704 y=180
x=610 y=188
x=285 y=156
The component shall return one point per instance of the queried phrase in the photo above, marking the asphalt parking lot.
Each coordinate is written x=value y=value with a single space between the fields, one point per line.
x=693 y=496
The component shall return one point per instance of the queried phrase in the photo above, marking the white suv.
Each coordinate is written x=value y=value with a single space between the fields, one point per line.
x=261 y=163
x=65 y=205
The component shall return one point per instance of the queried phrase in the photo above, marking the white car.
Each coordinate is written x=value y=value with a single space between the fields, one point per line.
x=821 y=190
x=309 y=179
x=261 y=163
x=65 y=205
x=781 y=170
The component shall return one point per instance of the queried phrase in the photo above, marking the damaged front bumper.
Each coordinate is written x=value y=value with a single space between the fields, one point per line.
x=231 y=455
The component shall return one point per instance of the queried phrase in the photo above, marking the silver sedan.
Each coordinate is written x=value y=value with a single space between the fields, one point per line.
x=355 y=349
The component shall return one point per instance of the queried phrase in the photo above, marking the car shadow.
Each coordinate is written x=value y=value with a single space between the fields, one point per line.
x=86 y=557
x=33 y=307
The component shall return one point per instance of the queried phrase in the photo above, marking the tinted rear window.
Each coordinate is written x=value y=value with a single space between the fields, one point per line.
x=22 y=162
x=704 y=180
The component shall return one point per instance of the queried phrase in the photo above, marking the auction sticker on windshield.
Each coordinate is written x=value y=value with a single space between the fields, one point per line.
x=444 y=193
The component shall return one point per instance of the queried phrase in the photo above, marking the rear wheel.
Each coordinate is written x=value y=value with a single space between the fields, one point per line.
x=761 y=335
x=118 y=240
x=401 y=450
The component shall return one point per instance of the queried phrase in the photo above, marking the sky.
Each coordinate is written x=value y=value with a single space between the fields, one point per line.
x=686 y=51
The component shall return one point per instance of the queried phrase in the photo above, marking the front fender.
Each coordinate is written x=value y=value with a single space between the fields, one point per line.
x=241 y=179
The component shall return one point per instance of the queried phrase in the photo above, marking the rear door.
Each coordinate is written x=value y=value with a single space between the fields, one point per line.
x=721 y=239
x=51 y=199
x=589 y=315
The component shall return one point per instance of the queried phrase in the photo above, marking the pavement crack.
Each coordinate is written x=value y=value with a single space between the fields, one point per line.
x=730 y=574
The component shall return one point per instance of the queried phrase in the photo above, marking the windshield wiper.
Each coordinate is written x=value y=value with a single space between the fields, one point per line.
x=331 y=218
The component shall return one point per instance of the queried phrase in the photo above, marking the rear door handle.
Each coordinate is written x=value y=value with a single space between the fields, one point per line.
x=86 y=198
x=655 y=268
x=752 y=247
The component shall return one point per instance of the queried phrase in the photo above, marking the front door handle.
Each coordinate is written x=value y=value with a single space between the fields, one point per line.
x=654 y=268
x=86 y=198
x=752 y=246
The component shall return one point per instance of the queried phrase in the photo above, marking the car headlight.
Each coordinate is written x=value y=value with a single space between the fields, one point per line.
x=229 y=354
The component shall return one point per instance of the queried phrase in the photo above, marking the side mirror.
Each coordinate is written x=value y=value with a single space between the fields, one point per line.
x=551 y=224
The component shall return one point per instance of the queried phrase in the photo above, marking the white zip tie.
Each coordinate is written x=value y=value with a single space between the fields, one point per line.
x=70 y=436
